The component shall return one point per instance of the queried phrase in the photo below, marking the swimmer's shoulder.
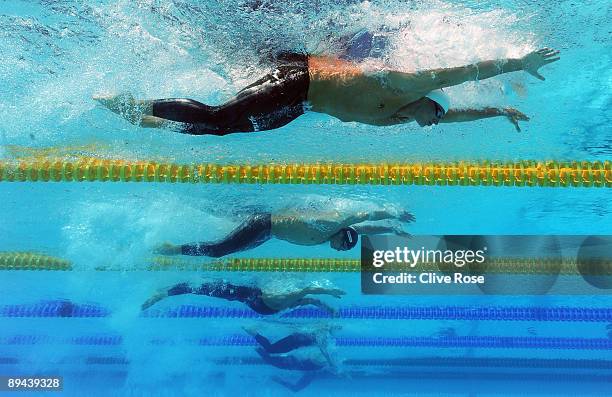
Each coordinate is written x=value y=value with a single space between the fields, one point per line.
x=323 y=67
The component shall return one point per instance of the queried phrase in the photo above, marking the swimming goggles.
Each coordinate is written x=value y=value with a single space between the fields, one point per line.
x=439 y=111
x=348 y=241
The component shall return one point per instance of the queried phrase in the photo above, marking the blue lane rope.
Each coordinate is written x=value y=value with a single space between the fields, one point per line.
x=53 y=309
x=486 y=362
x=437 y=362
x=469 y=313
x=484 y=342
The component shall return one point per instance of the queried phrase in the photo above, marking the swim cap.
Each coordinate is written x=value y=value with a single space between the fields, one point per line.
x=440 y=97
x=349 y=235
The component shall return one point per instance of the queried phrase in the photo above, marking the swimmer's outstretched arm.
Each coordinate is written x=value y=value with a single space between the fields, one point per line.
x=429 y=80
x=381 y=229
x=378 y=215
x=457 y=116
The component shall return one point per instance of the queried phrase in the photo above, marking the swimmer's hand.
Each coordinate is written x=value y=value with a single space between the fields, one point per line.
x=514 y=116
x=168 y=249
x=336 y=292
x=406 y=216
x=535 y=60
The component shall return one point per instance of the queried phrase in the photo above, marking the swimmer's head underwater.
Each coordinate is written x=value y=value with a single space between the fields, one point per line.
x=345 y=239
x=431 y=108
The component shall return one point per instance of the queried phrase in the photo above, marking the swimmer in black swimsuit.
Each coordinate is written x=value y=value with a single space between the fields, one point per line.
x=261 y=302
x=337 y=86
x=317 y=336
x=270 y=102
x=312 y=366
x=341 y=231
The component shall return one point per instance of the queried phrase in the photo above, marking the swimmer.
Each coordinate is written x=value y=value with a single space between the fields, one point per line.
x=262 y=302
x=318 y=337
x=312 y=366
x=312 y=362
x=334 y=86
x=341 y=231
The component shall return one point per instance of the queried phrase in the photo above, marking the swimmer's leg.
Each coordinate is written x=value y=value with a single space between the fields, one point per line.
x=250 y=234
x=264 y=342
x=216 y=289
x=301 y=384
x=179 y=289
x=297 y=298
x=126 y=106
x=284 y=345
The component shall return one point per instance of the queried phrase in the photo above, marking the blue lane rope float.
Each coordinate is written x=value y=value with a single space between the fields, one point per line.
x=482 y=342
x=53 y=309
x=470 y=313
x=488 y=362
x=452 y=362
x=434 y=362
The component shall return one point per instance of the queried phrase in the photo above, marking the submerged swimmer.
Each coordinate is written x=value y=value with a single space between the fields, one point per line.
x=312 y=368
x=341 y=231
x=335 y=86
x=262 y=302
x=317 y=336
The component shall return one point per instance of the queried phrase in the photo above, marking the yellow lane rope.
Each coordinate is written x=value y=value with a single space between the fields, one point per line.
x=31 y=261
x=34 y=261
x=484 y=173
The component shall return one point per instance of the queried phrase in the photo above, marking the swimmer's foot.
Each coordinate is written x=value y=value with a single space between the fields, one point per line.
x=168 y=249
x=126 y=106
x=153 y=300
x=115 y=103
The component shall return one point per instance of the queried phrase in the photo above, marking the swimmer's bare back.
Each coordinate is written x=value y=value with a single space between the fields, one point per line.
x=341 y=89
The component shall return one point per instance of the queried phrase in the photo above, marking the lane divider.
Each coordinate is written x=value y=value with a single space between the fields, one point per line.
x=35 y=261
x=32 y=261
x=463 y=313
x=481 y=342
x=461 y=173
x=486 y=362
x=431 y=362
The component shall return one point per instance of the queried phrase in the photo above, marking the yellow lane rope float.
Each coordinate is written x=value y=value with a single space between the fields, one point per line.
x=34 y=261
x=484 y=173
x=31 y=261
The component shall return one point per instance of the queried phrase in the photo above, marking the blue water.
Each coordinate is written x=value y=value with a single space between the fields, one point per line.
x=56 y=54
